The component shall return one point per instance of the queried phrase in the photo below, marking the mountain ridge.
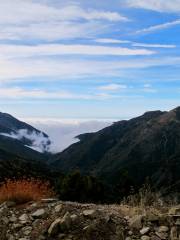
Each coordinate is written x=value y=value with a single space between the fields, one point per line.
x=130 y=151
x=18 y=158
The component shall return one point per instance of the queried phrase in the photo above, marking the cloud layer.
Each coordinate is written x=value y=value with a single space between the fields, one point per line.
x=63 y=132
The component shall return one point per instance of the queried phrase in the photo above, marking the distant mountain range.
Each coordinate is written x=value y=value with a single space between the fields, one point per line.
x=129 y=152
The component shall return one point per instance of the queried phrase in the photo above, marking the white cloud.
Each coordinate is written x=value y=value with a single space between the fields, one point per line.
x=148 y=88
x=15 y=51
x=147 y=85
x=62 y=133
x=110 y=40
x=57 y=69
x=134 y=44
x=20 y=93
x=52 y=31
x=154 y=45
x=22 y=19
x=156 y=5
x=18 y=61
x=112 y=87
x=26 y=11
x=39 y=142
x=159 y=27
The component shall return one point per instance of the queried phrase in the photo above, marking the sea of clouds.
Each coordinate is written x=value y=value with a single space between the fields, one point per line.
x=62 y=133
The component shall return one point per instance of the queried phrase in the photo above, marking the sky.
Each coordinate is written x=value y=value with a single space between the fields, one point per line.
x=88 y=59
x=91 y=60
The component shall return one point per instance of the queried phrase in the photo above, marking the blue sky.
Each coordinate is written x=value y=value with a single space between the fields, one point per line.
x=89 y=59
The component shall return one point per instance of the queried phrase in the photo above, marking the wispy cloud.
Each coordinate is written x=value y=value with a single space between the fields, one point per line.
x=110 y=40
x=159 y=27
x=31 y=11
x=145 y=45
x=52 y=31
x=14 y=51
x=20 y=93
x=40 y=21
x=26 y=69
x=156 y=5
x=37 y=140
x=112 y=87
x=147 y=88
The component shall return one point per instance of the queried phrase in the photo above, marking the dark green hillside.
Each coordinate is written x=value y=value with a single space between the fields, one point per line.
x=13 y=166
x=129 y=152
x=16 y=158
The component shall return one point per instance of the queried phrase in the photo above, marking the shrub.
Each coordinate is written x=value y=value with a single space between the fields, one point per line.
x=25 y=190
x=80 y=188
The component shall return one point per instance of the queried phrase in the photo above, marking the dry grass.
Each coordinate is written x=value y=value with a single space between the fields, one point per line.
x=146 y=197
x=25 y=190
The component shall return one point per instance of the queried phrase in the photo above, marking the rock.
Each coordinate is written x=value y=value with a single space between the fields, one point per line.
x=89 y=229
x=136 y=222
x=38 y=213
x=5 y=220
x=13 y=219
x=145 y=230
x=41 y=237
x=154 y=237
x=47 y=220
x=145 y=237
x=11 y=237
x=162 y=232
x=91 y=213
x=24 y=238
x=163 y=229
x=10 y=204
x=174 y=233
x=174 y=211
x=17 y=226
x=74 y=218
x=24 y=218
x=162 y=235
x=65 y=222
x=33 y=205
x=58 y=208
x=61 y=236
x=60 y=225
x=27 y=230
x=177 y=222
x=119 y=233
x=152 y=218
x=54 y=228
x=49 y=200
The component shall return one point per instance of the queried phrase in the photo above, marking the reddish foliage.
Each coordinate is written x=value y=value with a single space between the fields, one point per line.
x=25 y=190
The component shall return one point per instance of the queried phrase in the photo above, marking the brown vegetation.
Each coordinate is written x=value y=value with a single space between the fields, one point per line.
x=25 y=190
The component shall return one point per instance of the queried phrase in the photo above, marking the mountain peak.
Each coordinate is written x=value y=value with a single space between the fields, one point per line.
x=152 y=114
x=177 y=112
x=177 y=109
